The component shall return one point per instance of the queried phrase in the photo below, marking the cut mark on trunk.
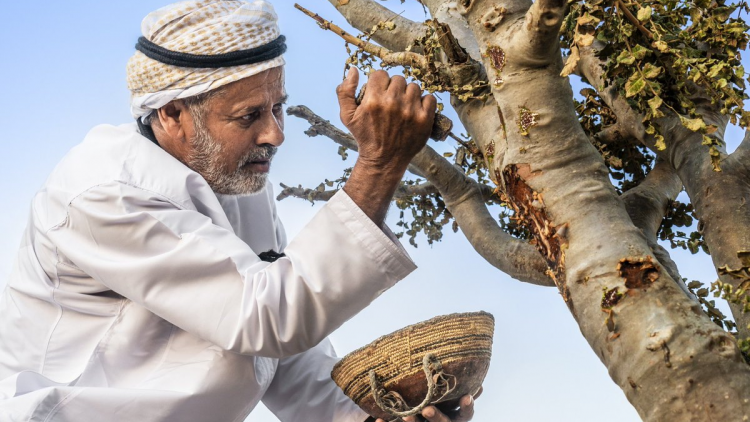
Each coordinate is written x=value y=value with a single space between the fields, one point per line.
x=632 y=383
x=526 y=120
x=531 y=213
x=639 y=273
x=610 y=298
x=497 y=61
x=667 y=353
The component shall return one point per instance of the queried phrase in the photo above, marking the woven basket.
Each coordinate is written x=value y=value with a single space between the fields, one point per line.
x=388 y=378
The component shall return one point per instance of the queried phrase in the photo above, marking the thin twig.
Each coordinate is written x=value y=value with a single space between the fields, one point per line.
x=633 y=19
x=403 y=58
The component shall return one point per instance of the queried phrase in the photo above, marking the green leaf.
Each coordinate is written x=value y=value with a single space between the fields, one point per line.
x=644 y=13
x=695 y=125
x=640 y=51
x=625 y=58
x=715 y=69
x=634 y=87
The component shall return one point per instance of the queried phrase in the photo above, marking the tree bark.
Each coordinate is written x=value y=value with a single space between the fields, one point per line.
x=672 y=362
x=720 y=198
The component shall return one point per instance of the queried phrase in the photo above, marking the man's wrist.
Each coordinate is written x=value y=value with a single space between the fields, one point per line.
x=382 y=166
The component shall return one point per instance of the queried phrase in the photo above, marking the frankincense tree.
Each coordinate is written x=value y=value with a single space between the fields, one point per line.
x=587 y=186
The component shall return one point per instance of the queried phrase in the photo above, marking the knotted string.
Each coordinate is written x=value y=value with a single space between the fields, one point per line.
x=438 y=384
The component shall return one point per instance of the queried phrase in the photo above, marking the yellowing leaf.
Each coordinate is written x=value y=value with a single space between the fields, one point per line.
x=660 y=145
x=571 y=63
x=640 y=51
x=650 y=71
x=661 y=46
x=654 y=104
x=587 y=19
x=644 y=13
x=695 y=125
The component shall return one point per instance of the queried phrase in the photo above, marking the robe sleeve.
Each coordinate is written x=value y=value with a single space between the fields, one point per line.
x=205 y=280
x=302 y=389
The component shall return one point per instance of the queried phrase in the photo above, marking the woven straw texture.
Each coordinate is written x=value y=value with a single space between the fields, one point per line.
x=461 y=342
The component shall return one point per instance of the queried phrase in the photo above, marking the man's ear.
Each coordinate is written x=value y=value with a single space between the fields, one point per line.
x=173 y=118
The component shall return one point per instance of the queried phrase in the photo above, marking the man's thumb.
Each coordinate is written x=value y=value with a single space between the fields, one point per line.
x=347 y=93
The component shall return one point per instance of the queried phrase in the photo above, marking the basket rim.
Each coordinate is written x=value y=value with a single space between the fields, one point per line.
x=431 y=321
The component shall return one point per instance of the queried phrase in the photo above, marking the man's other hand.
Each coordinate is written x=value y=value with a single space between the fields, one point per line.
x=431 y=414
x=393 y=121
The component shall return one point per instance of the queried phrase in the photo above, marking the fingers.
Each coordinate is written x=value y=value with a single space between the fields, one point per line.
x=397 y=86
x=429 y=103
x=347 y=93
x=413 y=93
x=377 y=83
x=432 y=414
x=466 y=411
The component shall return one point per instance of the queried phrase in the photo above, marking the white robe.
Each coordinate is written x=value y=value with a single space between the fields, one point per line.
x=137 y=296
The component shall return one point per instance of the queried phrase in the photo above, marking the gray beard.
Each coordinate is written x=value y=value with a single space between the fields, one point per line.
x=206 y=160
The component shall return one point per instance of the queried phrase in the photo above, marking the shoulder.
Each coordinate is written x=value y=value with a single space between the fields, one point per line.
x=119 y=155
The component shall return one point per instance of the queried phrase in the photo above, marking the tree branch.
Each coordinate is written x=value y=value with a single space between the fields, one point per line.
x=320 y=126
x=465 y=199
x=542 y=27
x=402 y=58
x=403 y=191
x=742 y=153
x=647 y=203
x=629 y=123
x=365 y=14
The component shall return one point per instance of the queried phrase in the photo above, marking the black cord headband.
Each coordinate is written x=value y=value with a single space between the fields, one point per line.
x=255 y=55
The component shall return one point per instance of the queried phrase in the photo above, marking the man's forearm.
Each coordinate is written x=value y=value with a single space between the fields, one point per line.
x=371 y=186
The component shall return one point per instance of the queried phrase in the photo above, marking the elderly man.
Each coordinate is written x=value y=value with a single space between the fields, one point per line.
x=154 y=282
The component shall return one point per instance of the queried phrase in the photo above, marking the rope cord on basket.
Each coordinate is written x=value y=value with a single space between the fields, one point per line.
x=438 y=381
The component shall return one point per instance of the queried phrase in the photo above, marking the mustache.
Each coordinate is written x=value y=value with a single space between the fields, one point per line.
x=259 y=153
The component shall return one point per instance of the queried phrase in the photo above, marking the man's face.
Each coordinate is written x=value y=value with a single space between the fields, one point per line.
x=236 y=135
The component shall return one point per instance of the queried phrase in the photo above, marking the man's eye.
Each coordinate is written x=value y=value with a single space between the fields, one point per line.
x=278 y=108
x=251 y=117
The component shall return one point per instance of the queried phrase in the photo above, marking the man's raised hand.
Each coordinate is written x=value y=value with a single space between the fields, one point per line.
x=391 y=125
x=393 y=121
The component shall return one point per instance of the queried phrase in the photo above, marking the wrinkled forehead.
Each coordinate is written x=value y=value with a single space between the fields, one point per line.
x=258 y=91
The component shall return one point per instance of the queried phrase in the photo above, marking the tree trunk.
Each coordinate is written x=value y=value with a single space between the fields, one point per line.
x=671 y=361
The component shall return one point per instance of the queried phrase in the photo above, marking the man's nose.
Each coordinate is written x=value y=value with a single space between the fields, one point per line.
x=272 y=132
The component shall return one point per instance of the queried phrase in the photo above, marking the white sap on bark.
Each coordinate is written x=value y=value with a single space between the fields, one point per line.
x=671 y=361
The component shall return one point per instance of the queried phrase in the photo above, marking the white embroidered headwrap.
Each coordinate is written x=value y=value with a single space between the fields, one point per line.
x=203 y=27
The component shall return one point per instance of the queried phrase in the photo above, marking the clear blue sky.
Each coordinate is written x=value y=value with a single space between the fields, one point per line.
x=63 y=72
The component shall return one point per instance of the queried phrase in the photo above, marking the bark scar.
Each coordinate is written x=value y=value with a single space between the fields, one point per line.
x=639 y=273
x=531 y=213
